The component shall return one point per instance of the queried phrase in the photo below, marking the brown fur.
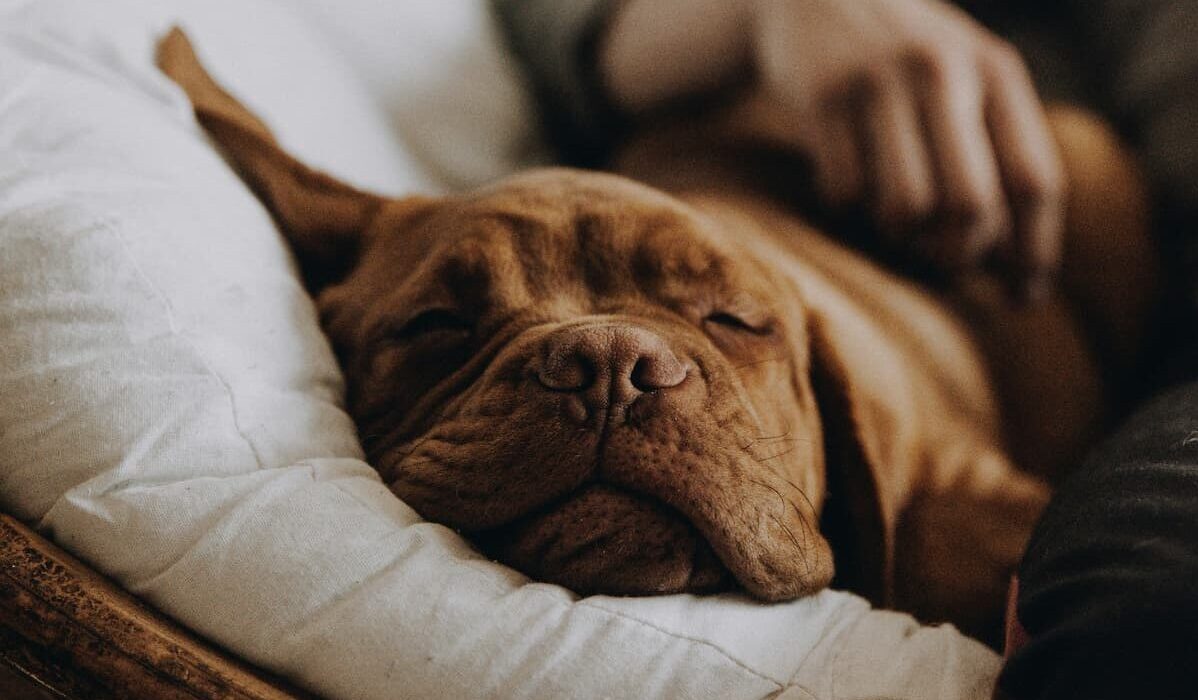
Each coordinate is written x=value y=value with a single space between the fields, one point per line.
x=785 y=382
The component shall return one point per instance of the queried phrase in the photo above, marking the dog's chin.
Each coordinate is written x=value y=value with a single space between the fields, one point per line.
x=602 y=540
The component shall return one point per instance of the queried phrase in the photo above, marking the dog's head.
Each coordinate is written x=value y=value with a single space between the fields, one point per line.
x=592 y=379
x=599 y=385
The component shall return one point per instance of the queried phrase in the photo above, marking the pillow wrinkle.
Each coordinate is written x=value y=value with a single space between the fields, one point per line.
x=726 y=653
x=123 y=505
x=172 y=322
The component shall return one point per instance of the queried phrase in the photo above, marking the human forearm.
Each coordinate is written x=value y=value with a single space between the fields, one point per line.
x=648 y=54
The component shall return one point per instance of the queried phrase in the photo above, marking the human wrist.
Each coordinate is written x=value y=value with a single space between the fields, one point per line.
x=653 y=52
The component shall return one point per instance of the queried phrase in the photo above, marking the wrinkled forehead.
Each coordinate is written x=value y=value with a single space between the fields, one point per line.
x=558 y=231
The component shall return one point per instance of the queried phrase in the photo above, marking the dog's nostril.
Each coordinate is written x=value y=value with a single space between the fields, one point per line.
x=567 y=373
x=653 y=372
x=608 y=366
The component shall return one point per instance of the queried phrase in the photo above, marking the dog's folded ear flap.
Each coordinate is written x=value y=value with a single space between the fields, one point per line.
x=322 y=218
x=860 y=514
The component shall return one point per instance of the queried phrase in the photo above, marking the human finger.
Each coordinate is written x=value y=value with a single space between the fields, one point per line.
x=837 y=153
x=897 y=159
x=971 y=214
x=1031 y=171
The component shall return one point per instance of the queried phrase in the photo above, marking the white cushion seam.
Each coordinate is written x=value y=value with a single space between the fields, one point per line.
x=827 y=632
x=806 y=693
x=694 y=640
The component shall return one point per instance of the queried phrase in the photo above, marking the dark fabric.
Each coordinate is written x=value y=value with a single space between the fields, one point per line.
x=555 y=41
x=1143 y=61
x=1144 y=56
x=1109 y=585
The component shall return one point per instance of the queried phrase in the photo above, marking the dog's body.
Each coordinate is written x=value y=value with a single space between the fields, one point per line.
x=625 y=391
x=957 y=396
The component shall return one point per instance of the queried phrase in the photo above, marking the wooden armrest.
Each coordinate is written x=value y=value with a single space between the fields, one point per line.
x=70 y=632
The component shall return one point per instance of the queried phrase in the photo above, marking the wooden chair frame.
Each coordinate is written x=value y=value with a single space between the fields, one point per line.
x=68 y=632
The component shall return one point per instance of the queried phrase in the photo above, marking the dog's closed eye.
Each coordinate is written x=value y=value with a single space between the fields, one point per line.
x=433 y=321
x=731 y=320
x=727 y=319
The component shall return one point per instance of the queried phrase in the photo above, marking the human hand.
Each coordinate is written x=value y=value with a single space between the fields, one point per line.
x=907 y=107
x=912 y=106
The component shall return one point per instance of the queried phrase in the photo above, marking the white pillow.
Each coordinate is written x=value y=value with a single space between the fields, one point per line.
x=171 y=413
x=441 y=72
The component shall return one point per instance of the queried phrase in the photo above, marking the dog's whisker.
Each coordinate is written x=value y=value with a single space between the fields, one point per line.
x=778 y=472
x=781 y=498
x=761 y=453
x=781 y=438
x=793 y=540
x=808 y=529
x=773 y=439
x=784 y=435
x=807 y=500
x=802 y=553
x=767 y=438
x=781 y=454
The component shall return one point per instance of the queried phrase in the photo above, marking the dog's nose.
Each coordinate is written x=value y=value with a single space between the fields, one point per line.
x=609 y=366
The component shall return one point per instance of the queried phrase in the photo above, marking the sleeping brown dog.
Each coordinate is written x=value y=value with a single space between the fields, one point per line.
x=628 y=391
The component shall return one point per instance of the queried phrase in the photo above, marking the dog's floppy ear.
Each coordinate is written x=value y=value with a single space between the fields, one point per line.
x=322 y=218
x=860 y=514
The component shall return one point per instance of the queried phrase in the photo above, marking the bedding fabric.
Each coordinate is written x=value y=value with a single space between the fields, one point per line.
x=170 y=412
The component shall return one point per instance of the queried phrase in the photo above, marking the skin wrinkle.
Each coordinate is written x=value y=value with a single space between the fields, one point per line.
x=439 y=403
